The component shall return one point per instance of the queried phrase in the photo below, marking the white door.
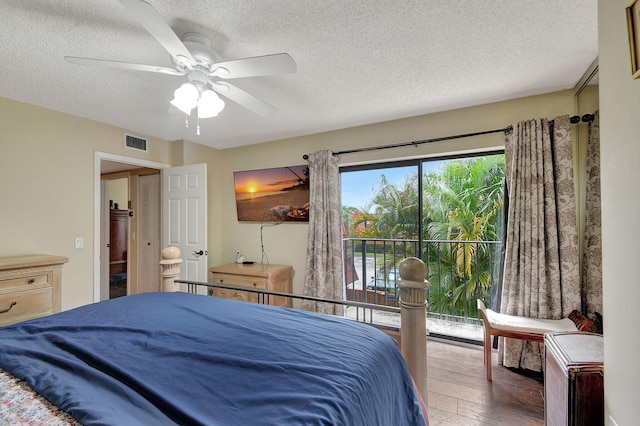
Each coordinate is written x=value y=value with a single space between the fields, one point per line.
x=184 y=217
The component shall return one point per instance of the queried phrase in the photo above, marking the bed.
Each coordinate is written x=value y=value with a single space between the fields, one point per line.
x=178 y=358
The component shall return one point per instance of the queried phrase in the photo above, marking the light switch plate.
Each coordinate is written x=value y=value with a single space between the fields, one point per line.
x=79 y=242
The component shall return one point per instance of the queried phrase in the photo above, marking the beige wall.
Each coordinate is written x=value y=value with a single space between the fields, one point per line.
x=620 y=162
x=286 y=243
x=119 y=192
x=46 y=170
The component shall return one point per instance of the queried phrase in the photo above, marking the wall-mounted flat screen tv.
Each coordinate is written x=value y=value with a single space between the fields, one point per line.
x=279 y=194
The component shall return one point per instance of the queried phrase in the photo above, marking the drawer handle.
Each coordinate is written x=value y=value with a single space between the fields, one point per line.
x=31 y=281
x=14 y=303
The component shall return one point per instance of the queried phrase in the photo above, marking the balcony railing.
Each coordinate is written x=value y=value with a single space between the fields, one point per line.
x=459 y=273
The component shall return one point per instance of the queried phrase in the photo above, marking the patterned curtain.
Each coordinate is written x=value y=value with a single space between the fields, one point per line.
x=592 y=260
x=541 y=272
x=323 y=274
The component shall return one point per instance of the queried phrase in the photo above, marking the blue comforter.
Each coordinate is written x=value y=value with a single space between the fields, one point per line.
x=167 y=358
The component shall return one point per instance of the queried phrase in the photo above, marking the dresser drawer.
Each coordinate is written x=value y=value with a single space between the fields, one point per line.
x=21 y=282
x=240 y=281
x=34 y=283
x=243 y=296
x=23 y=305
x=270 y=278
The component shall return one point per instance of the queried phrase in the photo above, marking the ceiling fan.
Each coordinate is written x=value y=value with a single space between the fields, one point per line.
x=194 y=58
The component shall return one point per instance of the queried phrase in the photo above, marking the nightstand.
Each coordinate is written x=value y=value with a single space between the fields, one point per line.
x=260 y=276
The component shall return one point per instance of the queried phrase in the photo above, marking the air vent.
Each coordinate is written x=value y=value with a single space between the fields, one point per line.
x=134 y=142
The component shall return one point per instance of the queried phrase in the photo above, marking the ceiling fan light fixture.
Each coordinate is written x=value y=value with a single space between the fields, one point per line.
x=209 y=104
x=185 y=98
x=193 y=57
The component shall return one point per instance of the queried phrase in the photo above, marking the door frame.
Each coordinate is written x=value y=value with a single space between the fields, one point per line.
x=97 y=199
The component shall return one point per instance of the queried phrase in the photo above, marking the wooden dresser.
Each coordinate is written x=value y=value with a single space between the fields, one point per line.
x=260 y=276
x=30 y=287
x=574 y=379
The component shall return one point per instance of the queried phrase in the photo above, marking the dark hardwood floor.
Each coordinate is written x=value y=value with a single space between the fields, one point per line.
x=458 y=392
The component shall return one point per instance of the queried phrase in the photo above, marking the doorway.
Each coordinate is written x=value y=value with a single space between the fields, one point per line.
x=113 y=165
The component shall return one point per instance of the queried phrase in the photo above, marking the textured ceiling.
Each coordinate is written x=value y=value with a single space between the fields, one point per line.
x=359 y=61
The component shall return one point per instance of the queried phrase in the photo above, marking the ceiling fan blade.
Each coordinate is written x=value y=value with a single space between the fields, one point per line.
x=123 y=65
x=243 y=98
x=153 y=22
x=279 y=63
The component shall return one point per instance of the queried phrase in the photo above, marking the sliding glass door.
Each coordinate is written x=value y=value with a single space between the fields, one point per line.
x=445 y=211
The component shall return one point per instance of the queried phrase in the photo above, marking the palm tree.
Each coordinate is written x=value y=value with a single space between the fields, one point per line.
x=461 y=204
x=396 y=209
x=391 y=214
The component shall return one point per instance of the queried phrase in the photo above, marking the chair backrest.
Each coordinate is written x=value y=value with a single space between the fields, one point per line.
x=482 y=309
x=481 y=306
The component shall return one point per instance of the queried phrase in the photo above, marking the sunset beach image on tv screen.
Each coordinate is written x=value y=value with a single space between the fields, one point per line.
x=277 y=194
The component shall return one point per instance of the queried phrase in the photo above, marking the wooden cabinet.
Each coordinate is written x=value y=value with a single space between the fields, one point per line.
x=30 y=287
x=574 y=379
x=259 y=276
x=118 y=240
x=118 y=235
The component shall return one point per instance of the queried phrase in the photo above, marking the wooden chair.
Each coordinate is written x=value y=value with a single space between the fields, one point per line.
x=516 y=327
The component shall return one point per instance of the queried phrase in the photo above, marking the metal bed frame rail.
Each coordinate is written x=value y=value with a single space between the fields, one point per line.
x=264 y=298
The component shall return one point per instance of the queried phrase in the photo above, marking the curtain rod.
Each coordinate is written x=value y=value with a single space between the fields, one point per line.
x=573 y=120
